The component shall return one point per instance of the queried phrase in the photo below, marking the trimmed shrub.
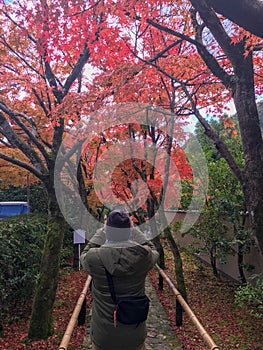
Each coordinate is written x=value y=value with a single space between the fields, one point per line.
x=37 y=196
x=21 y=242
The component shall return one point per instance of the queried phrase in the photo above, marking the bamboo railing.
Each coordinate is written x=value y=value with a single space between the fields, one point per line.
x=73 y=320
x=206 y=337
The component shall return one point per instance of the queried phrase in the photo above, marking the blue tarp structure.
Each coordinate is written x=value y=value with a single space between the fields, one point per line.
x=13 y=208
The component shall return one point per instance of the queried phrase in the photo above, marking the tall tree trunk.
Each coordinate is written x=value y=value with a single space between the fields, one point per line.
x=254 y=200
x=41 y=323
x=156 y=240
x=241 y=83
x=178 y=264
x=240 y=263
x=213 y=261
x=246 y=107
x=158 y=245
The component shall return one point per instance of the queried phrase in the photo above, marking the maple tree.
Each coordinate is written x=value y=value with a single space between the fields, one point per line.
x=144 y=86
x=197 y=61
x=44 y=48
x=209 y=60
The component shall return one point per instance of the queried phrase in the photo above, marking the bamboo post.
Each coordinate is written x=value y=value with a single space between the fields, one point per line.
x=160 y=282
x=178 y=314
x=73 y=320
x=206 y=337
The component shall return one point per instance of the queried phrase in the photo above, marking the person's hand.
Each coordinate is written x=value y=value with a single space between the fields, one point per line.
x=105 y=222
x=131 y=222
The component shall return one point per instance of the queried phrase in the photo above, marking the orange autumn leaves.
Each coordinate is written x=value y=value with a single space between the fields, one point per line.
x=133 y=172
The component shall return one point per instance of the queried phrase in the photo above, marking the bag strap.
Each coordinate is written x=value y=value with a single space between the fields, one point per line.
x=113 y=295
x=111 y=285
x=110 y=280
x=112 y=290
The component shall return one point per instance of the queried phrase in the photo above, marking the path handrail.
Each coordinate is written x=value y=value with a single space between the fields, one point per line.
x=74 y=317
x=206 y=337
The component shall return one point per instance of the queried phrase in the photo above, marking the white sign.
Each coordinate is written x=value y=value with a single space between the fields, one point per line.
x=79 y=236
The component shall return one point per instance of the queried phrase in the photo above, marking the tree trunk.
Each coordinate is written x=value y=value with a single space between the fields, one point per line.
x=213 y=261
x=178 y=264
x=242 y=87
x=41 y=323
x=159 y=248
x=252 y=185
x=240 y=263
x=254 y=200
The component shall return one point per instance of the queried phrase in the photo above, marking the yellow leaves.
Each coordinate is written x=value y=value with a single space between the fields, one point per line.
x=12 y=174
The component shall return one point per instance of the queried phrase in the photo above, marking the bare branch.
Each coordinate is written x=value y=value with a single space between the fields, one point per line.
x=209 y=59
x=15 y=117
x=14 y=139
x=220 y=145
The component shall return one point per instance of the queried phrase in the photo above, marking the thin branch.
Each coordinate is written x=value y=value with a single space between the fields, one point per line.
x=85 y=10
x=20 y=57
x=13 y=138
x=161 y=53
x=14 y=116
x=40 y=102
x=19 y=26
x=214 y=66
x=220 y=145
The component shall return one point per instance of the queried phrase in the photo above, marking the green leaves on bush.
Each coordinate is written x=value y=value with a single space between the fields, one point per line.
x=21 y=242
x=251 y=296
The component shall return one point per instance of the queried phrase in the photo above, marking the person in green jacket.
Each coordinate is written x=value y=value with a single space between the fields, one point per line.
x=128 y=260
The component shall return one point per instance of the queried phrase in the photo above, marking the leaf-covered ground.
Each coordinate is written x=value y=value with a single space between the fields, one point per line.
x=211 y=299
x=15 y=334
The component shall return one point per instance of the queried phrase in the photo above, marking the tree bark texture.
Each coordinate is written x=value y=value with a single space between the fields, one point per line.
x=252 y=185
x=178 y=264
x=41 y=323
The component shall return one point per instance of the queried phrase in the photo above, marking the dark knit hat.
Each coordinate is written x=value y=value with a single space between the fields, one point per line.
x=118 y=226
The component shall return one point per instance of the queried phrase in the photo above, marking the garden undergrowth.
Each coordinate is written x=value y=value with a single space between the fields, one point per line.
x=212 y=301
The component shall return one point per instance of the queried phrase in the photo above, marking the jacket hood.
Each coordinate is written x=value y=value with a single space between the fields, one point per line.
x=122 y=257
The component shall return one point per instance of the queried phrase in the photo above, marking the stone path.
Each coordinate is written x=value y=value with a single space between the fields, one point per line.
x=160 y=335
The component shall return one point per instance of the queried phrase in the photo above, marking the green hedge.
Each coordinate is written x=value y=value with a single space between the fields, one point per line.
x=36 y=192
x=21 y=242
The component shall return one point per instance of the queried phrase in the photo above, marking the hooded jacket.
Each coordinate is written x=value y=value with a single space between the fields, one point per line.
x=128 y=262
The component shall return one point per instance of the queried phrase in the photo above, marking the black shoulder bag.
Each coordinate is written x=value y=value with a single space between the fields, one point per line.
x=130 y=309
